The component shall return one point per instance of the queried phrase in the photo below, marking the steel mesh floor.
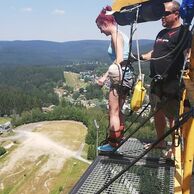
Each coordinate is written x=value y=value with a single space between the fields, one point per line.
x=146 y=177
x=134 y=147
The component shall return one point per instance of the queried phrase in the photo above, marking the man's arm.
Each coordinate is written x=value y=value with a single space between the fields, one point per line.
x=146 y=56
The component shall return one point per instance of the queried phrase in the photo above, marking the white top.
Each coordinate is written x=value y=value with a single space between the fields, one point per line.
x=112 y=53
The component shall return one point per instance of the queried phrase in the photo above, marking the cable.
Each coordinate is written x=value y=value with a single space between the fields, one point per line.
x=136 y=118
x=137 y=46
x=168 y=54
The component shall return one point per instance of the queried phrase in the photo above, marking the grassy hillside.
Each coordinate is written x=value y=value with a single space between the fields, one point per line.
x=4 y=120
x=72 y=80
x=72 y=170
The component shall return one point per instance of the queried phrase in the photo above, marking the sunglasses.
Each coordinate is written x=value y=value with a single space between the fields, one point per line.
x=167 y=13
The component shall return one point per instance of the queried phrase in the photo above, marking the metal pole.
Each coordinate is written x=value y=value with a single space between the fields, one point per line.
x=97 y=131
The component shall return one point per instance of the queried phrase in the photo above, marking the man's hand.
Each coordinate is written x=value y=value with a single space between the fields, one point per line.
x=134 y=57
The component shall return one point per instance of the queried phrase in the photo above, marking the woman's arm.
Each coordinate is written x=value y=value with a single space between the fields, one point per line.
x=117 y=44
x=102 y=79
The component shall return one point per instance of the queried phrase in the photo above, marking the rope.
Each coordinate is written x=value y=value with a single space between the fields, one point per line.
x=168 y=54
x=137 y=46
x=184 y=118
x=136 y=118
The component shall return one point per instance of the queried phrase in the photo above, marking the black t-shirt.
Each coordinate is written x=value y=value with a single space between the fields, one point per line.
x=166 y=41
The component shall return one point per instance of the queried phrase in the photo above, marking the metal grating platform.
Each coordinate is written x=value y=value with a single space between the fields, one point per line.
x=146 y=177
x=134 y=147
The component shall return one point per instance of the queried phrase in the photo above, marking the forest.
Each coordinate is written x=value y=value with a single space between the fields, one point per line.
x=23 y=88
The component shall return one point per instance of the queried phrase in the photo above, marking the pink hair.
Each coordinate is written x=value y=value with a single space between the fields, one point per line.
x=103 y=18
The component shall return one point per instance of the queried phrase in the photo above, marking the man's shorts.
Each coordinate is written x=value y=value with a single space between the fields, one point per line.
x=166 y=94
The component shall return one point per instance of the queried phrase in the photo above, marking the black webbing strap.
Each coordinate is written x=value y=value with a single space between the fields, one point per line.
x=129 y=55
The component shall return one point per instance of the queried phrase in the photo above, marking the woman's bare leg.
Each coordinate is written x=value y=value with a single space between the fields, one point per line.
x=114 y=110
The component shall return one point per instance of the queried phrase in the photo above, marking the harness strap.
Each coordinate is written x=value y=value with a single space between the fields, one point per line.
x=115 y=137
x=183 y=38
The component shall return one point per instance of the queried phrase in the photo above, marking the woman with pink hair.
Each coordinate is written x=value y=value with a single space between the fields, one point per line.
x=118 y=51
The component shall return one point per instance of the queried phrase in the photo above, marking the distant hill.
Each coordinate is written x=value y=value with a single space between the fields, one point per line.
x=144 y=45
x=55 y=53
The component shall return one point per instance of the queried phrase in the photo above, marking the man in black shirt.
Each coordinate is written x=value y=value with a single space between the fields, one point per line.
x=165 y=87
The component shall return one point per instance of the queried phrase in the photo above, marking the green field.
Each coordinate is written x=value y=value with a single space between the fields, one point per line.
x=69 y=133
x=65 y=181
x=72 y=80
x=4 y=120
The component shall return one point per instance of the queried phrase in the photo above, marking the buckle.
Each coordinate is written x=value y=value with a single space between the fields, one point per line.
x=158 y=77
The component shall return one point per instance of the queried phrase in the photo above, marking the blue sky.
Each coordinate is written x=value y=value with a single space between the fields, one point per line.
x=58 y=20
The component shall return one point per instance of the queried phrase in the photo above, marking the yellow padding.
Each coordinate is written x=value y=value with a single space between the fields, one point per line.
x=118 y=4
x=138 y=96
x=191 y=73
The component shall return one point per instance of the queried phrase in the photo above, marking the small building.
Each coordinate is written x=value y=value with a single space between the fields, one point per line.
x=5 y=127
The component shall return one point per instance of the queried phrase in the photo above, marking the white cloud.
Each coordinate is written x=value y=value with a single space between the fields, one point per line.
x=26 y=9
x=58 y=12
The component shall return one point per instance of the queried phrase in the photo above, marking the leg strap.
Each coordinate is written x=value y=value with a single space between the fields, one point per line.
x=115 y=137
x=122 y=129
